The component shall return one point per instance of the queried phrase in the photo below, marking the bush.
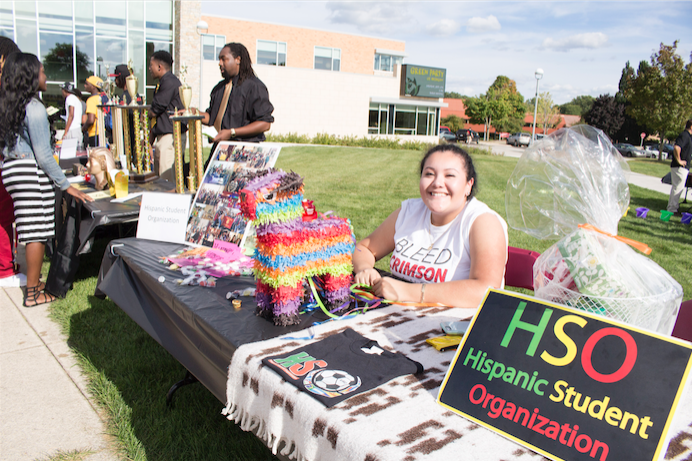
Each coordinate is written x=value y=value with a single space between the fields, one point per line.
x=350 y=141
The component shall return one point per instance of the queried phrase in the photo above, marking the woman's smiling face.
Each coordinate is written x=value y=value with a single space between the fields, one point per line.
x=444 y=186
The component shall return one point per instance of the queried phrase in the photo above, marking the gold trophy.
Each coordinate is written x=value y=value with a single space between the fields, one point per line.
x=131 y=84
x=185 y=91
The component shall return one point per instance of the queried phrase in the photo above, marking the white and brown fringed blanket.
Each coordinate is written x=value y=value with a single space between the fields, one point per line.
x=398 y=421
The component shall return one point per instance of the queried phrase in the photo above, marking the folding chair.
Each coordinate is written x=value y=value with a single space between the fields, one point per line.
x=683 y=324
x=519 y=268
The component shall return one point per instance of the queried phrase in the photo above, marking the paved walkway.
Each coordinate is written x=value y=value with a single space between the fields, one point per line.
x=45 y=409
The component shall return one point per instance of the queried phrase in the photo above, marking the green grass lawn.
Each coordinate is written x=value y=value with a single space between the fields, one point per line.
x=130 y=373
x=650 y=166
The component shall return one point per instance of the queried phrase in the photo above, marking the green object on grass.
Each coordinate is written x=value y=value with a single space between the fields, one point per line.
x=665 y=215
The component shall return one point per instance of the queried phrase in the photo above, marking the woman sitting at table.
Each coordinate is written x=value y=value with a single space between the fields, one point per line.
x=29 y=169
x=447 y=245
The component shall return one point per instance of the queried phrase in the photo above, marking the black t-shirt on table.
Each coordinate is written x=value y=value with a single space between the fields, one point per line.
x=341 y=366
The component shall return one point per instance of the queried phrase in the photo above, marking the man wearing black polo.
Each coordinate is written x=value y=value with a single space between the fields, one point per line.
x=166 y=99
x=239 y=108
x=679 y=167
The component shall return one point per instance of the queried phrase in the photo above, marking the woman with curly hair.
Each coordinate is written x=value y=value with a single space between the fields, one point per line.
x=29 y=166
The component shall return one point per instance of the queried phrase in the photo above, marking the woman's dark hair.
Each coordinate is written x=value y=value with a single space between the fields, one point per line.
x=245 y=69
x=18 y=85
x=7 y=46
x=468 y=163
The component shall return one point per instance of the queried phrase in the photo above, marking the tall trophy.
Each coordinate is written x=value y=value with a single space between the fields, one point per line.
x=131 y=84
x=185 y=91
x=194 y=135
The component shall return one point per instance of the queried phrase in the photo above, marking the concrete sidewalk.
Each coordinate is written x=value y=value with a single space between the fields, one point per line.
x=45 y=410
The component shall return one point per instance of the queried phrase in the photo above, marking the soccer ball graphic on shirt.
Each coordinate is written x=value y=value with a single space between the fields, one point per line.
x=331 y=383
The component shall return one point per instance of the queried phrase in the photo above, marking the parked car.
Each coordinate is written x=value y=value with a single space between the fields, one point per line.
x=652 y=152
x=467 y=135
x=519 y=139
x=447 y=136
x=628 y=150
x=539 y=136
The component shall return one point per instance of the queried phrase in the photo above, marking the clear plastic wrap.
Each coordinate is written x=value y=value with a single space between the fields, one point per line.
x=573 y=177
x=602 y=275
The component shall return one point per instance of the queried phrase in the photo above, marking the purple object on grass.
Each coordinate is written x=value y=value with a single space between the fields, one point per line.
x=641 y=212
x=686 y=218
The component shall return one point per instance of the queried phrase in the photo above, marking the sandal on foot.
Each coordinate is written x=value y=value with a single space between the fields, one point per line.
x=34 y=293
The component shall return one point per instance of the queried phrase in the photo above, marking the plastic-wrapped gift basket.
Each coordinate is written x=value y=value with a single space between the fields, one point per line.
x=572 y=186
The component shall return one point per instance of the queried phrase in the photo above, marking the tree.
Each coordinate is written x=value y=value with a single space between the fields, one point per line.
x=659 y=93
x=453 y=122
x=58 y=62
x=501 y=106
x=606 y=114
x=577 y=106
x=548 y=114
x=453 y=95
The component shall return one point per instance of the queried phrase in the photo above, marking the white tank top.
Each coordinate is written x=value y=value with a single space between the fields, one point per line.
x=425 y=253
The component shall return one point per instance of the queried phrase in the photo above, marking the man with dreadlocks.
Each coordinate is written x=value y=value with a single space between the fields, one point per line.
x=239 y=108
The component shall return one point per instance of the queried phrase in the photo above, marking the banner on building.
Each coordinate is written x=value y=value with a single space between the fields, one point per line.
x=423 y=82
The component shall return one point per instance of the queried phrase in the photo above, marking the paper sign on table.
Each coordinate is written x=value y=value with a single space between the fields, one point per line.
x=163 y=217
x=68 y=148
x=567 y=384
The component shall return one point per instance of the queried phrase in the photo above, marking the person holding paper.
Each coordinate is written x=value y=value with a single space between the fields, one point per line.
x=239 y=107
x=73 y=110
x=29 y=169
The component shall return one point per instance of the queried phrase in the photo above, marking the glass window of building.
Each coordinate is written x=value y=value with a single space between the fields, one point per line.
x=75 y=39
x=386 y=63
x=271 y=53
x=212 y=45
x=378 y=119
x=327 y=58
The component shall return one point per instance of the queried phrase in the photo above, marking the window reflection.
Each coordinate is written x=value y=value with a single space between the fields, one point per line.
x=57 y=56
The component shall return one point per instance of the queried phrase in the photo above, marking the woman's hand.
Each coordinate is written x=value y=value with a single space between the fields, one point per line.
x=368 y=277
x=394 y=290
x=78 y=194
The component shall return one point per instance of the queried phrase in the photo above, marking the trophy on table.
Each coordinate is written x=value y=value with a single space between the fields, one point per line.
x=194 y=136
x=185 y=91
x=131 y=84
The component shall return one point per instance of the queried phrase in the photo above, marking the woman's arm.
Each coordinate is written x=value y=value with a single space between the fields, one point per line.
x=68 y=123
x=373 y=248
x=488 y=248
x=39 y=135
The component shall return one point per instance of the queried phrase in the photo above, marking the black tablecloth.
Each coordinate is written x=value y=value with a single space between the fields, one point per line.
x=104 y=212
x=197 y=325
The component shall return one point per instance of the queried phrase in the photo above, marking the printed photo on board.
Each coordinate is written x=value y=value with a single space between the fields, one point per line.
x=215 y=211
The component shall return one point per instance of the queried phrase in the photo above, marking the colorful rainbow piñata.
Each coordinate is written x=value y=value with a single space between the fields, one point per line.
x=289 y=249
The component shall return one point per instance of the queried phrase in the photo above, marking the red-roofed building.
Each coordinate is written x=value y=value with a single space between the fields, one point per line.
x=457 y=107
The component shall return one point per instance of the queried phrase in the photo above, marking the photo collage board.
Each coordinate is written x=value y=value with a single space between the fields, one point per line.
x=215 y=211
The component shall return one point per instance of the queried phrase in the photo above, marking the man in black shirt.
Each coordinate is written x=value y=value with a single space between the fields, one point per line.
x=679 y=167
x=166 y=99
x=239 y=108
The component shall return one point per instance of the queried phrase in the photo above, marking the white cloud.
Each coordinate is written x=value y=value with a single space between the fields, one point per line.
x=443 y=28
x=478 y=25
x=374 y=17
x=592 y=40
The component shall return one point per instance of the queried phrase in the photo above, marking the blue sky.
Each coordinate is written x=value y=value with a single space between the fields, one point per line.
x=582 y=47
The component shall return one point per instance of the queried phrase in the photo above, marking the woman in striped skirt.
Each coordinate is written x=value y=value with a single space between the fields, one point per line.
x=29 y=169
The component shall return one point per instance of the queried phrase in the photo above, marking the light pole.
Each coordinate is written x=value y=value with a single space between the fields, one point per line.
x=539 y=76
x=202 y=27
